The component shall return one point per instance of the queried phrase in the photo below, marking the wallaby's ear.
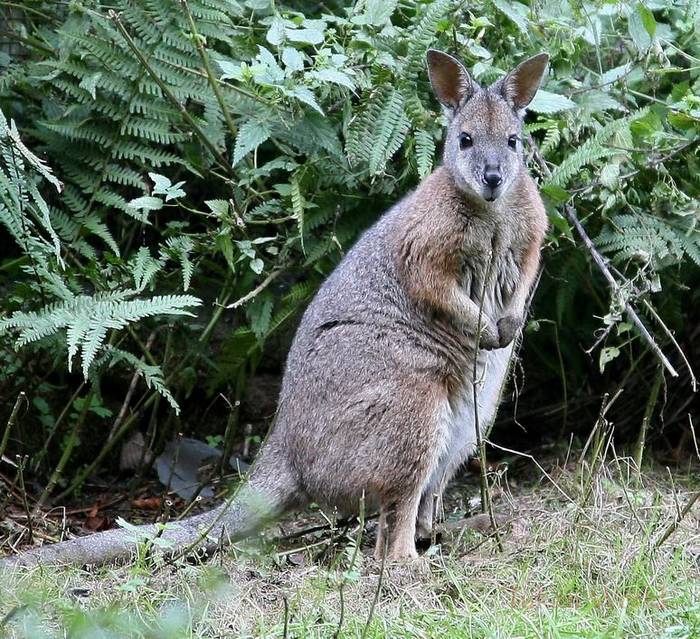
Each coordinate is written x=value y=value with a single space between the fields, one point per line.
x=521 y=84
x=450 y=80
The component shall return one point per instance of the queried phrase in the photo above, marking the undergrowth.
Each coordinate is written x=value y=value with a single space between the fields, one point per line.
x=571 y=567
x=178 y=176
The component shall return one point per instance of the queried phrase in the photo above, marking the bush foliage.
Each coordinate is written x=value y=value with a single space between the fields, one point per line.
x=172 y=167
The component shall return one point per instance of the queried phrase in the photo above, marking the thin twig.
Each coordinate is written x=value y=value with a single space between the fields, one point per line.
x=353 y=559
x=22 y=397
x=549 y=478
x=657 y=317
x=59 y=420
x=631 y=313
x=378 y=590
x=671 y=528
x=486 y=503
x=130 y=391
x=257 y=290
x=695 y=439
x=286 y=618
x=73 y=439
x=21 y=465
x=648 y=413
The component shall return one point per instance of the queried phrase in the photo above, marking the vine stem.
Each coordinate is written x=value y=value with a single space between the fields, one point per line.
x=602 y=265
x=210 y=74
x=22 y=397
x=114 y=17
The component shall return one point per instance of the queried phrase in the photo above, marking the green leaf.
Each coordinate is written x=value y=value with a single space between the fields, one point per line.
x=546 y=102
x=332 y=75
x=642 y=27
x=305 y=36
x=607 y=355
x=556 y=193
x=647 y=19
x=89 y=83
x=146 y=203
x=307 y=97
x=163 y=186
x=378 y=12
x=613 y=75
x=275 y=34
x=298 y=207
x=515 y=11
x=425 y=150
x=392 y=125
x=230 y=70
x=218 y=207
x=292 y=59
x=250 y=136
x=259 y=314
x=257 y=265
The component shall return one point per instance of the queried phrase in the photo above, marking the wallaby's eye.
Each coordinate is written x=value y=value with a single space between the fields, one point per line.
x=465 y=140
x=513 y=142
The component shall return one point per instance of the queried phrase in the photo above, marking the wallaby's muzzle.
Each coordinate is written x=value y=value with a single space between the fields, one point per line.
x=492 y=180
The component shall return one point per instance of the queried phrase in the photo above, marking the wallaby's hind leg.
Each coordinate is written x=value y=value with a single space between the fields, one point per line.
x=397 y=529
x=381 y=545
x=429 y=509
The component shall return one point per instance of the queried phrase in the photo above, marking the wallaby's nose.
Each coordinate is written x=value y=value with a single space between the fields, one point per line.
x=492 y=176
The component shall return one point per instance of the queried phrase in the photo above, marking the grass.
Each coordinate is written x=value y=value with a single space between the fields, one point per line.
x=567 y=570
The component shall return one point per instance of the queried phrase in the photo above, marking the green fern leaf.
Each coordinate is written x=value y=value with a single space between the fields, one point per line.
x=425 y=151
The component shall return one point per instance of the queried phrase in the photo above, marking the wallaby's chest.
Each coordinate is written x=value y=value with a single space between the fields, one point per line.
x=490 y=273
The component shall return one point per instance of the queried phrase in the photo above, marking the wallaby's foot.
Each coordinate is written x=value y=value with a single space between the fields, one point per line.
x=508 y=328
x=401 y=530
x=403 y=553
x=396 y=553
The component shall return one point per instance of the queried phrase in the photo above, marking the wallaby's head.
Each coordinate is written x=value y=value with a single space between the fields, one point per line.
x=483 y=147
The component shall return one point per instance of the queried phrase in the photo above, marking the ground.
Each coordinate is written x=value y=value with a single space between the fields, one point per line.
x=588 y=550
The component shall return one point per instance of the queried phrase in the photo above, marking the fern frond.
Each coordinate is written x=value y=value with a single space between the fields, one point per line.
x=152 y=375
x=425 y=151
x=591 y=150
x=298 y=207
x=650 y=239
x=86 y=319
x=422 y=37
x=379 y=130
x=180 y=249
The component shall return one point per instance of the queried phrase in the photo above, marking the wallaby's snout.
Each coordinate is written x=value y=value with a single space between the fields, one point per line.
x=483 y=148
x=492 y=178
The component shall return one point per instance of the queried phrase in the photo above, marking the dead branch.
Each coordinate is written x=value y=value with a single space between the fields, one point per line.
x=602 y=265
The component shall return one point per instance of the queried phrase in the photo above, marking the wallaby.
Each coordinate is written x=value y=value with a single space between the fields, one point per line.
x=377 y=400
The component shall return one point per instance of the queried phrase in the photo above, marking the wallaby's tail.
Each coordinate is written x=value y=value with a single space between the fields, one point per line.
x=270 y=491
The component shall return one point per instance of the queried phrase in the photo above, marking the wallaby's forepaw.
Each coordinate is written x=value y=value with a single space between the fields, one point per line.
x=508 y=327
x=489 y=338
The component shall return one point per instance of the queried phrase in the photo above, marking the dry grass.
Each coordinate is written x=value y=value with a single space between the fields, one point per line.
x=580 y=560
